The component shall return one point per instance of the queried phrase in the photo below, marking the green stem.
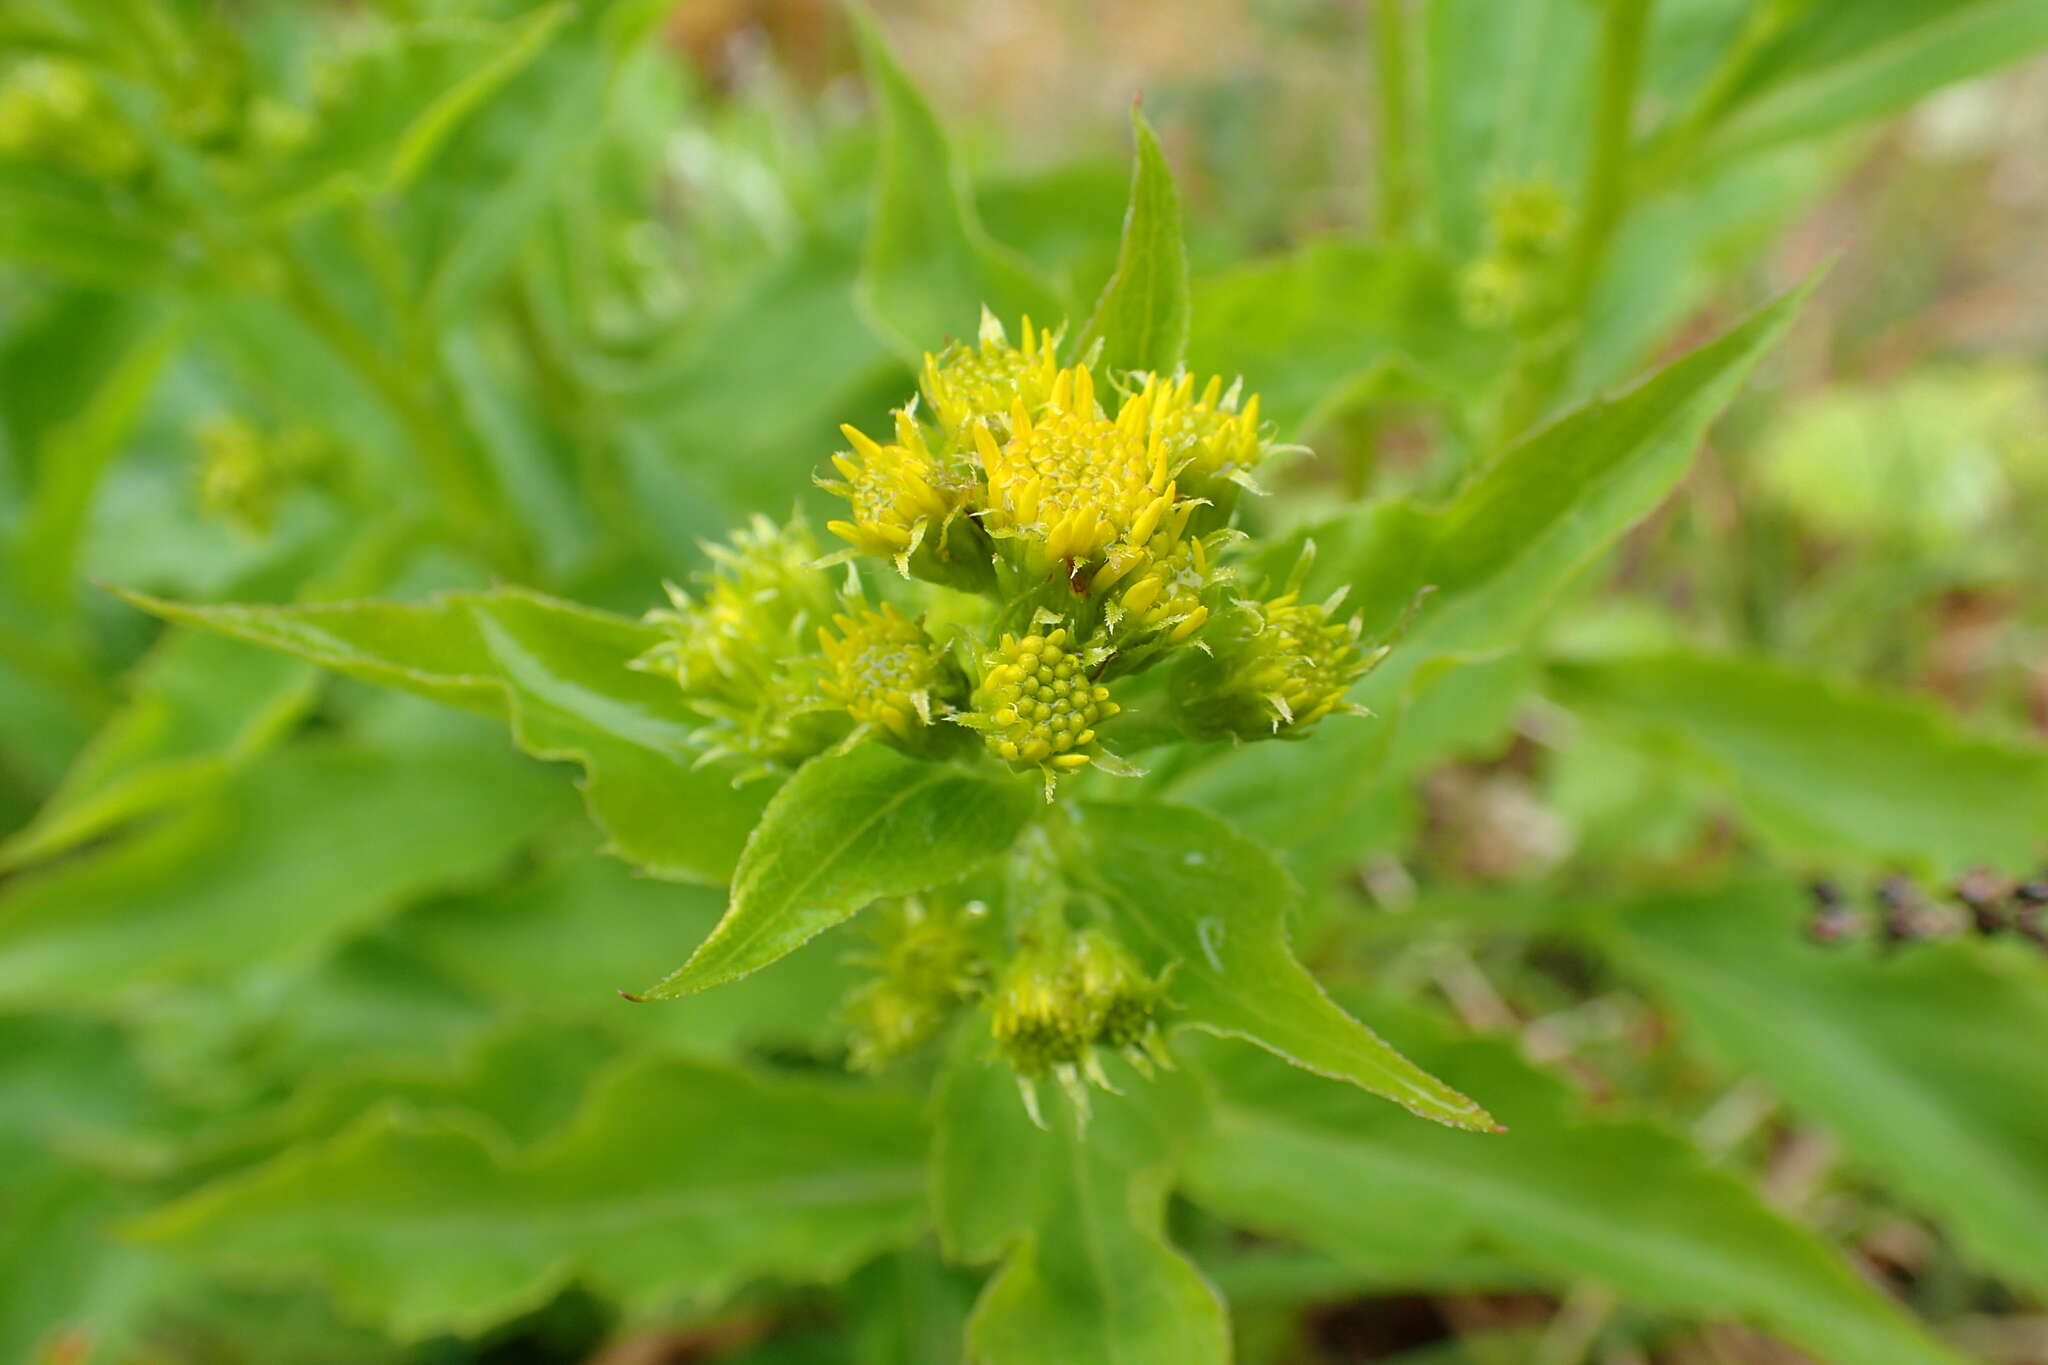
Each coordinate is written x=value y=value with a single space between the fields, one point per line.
x=1623 y=37
x=1396 y=174
x=475 y=506
x=561 y=390
x=1668 y=153
x=1548 y=353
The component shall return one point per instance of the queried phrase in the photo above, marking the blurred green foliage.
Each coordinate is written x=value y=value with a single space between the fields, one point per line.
x=309 y=1042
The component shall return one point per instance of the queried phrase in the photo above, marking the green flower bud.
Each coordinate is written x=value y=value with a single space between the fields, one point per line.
x=53 y=110
x=887 y=673
x=1273 y=669
x=1057 y=1002
x=246 y=472
x=1530 y=219
x=1039 y=1020
x=1118 y=999
x=930 y=965
x=743 y=650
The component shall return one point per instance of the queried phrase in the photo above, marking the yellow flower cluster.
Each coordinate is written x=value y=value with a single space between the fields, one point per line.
x=1066 y=487
x=1053 y=533
x=1037 y=705
x=1052 y=482
x=965 y=383
x=1094 y=509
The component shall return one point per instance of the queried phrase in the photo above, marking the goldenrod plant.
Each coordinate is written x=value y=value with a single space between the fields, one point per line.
x=658 y=704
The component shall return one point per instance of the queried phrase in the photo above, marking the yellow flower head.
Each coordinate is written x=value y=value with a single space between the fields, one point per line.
x=1279 y=667
x=1164 y=600
x=886 y=671
x=896 y=492
x=1069 y=485
x=964 y=384
x=1209 y=438
x=1037 y=706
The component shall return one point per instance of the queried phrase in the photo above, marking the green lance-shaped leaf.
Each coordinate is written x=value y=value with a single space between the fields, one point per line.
x=310 y=845
x=930 y=266
x=1467 y=579
x=1824 y=67
x=559 y=942
x=1624 y=1204
x=1524 y=524
x=1087 y=1275
x=1183 y=889
x=1926 y=1064
x=1825 y=765
x=558 y=673
x=75 y=456
x=199 y=704
x=847 y=829
x=677 y=1178
x=1141 y=318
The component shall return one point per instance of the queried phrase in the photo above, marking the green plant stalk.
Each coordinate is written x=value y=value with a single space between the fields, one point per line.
x=1548 y=353
x=562 y=395
x=1396 y=168
x=1623 y=37
x=475 y=505
x=1669 y=152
